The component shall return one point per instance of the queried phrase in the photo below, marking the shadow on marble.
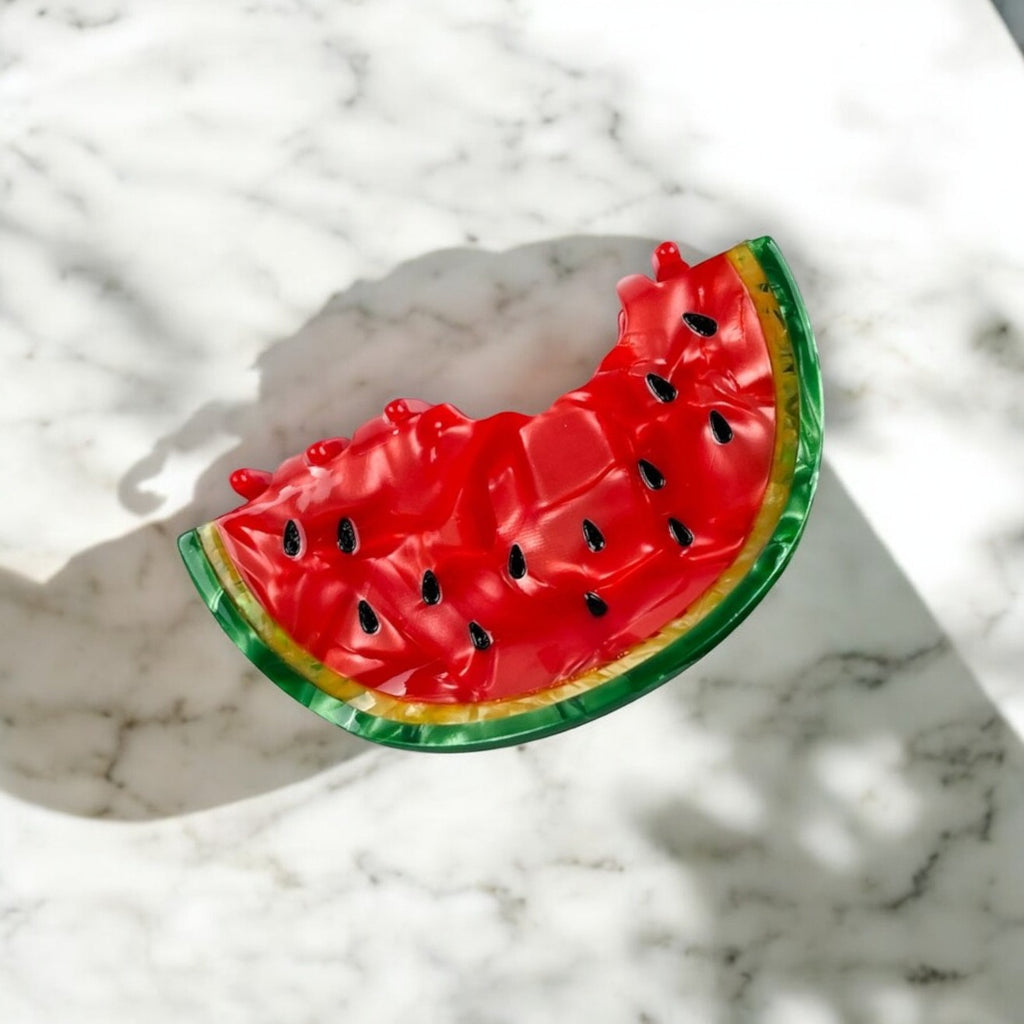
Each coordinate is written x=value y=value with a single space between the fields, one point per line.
x=120 y=702
x=124 y=699
x=138 y=707
x=860 y=861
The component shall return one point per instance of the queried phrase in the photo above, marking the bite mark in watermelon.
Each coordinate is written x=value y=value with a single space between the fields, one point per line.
x=446 y=583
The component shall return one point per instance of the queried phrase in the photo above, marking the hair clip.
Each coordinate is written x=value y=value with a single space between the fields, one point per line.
x=443 y=583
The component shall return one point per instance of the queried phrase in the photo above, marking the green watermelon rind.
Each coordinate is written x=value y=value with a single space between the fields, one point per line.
x=667 y=663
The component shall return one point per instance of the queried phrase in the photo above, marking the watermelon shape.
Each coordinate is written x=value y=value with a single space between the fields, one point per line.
x=443 y=583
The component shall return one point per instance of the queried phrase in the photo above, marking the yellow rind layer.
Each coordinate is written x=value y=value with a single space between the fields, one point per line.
x=368 y=701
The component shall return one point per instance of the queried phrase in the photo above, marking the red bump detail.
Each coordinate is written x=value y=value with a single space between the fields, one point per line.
x=249 y=483
x=319 y=453
x=402 y=409
x=667 y=262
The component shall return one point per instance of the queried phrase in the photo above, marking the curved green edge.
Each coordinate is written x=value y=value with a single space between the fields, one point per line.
x=643 y=678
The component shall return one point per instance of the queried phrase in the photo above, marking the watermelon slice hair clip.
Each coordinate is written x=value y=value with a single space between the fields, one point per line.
x=443 y=583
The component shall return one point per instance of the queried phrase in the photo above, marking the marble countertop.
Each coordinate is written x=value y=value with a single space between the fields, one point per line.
x=230 y=229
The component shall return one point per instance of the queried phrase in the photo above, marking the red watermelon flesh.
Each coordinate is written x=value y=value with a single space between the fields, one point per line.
x=442 y=559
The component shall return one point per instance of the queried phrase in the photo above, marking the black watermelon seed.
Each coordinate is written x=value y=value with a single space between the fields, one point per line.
x=720 y=427
x=700 y=324
x=430 y=589
x=368 y=621
x=346 y=536
x=651 y=475
x=662 y=390
x=680 y=534
x=516 y=562
x=292 y=541
x=480 y=637
x=592 y=535
x=595 y=605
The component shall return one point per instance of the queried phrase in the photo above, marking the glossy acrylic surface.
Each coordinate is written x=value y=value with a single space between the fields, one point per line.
x=581 y=462
x=336 y=550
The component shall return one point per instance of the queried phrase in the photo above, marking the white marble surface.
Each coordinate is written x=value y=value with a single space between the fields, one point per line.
x=819 y=823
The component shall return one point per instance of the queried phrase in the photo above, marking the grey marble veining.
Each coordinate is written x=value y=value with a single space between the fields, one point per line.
x=809 y=819
x=818 y=823
x=226 y=232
